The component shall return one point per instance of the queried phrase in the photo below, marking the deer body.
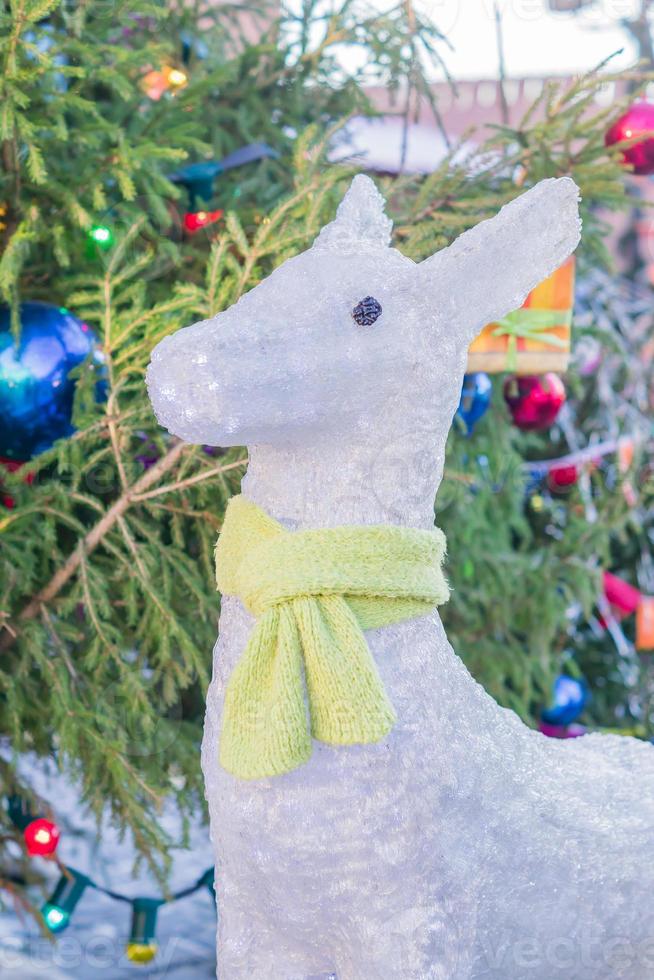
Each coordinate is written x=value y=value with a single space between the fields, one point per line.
x=463 y=845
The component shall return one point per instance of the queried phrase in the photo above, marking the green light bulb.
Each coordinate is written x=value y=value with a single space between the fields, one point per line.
x=102 y=236
x=57 y=911
x=55 y=918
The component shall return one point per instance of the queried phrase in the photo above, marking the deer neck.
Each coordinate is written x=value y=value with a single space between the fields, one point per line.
x=390 y=481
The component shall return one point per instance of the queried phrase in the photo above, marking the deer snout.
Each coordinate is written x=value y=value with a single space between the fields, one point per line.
x=185 y=388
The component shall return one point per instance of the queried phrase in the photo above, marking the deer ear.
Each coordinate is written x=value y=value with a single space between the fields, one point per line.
x=489 y=269
x=360 y=221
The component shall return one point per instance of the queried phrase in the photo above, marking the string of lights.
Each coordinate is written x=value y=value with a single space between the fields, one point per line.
x=42 y=836
x=198 y=181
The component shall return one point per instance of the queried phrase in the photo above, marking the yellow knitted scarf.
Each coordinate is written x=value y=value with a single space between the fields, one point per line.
x=312 y=593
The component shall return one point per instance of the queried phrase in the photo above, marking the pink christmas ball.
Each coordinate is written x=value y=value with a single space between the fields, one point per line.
x=637 y=120
x=534 y=401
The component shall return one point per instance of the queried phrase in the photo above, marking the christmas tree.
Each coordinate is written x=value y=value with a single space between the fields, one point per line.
x=108 y=608
x=155 y=163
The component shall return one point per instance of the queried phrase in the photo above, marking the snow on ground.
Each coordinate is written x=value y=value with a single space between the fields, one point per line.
x=94 y=943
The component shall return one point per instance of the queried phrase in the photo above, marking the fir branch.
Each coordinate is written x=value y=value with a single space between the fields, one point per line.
x=91 y=541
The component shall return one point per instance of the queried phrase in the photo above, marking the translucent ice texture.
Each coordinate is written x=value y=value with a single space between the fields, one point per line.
x=288 y=364
x=464 y=846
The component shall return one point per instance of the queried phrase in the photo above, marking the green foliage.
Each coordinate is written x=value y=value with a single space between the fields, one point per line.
x=107 y=600
x=82 y=143
x=514 y=575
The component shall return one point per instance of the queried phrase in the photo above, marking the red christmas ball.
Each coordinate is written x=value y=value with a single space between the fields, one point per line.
x=560 y=477
x=41 y=837
x=11 y=465
x=637 y=120
x=534 y=401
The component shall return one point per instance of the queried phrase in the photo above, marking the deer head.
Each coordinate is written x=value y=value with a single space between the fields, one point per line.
x=336 y=337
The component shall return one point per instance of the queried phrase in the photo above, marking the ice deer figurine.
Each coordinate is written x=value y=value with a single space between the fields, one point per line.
x=461 y=845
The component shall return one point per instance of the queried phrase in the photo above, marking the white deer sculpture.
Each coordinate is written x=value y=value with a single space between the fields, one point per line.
x=463 y=845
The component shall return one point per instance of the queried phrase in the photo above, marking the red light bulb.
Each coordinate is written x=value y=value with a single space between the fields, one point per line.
x=195 y=220
x=41 y=837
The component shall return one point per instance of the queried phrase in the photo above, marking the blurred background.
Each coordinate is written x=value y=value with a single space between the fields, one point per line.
x=157 y=161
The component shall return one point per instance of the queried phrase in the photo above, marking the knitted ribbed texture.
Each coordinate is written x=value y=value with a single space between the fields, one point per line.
x=312 y=593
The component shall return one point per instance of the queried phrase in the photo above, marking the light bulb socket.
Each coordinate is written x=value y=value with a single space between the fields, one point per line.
x=144 y=920
x=61 y=905
x=19 y=812
x=208 y=881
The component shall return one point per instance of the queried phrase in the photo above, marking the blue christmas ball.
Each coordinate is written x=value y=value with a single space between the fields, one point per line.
x=475 y=398
x=570 y=697
x=36 y=390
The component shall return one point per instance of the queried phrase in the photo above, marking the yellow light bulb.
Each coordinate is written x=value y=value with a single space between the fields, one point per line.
x=141 y=952
x=176 y=78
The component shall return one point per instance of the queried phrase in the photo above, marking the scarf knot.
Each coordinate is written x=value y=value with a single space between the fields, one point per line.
x=312 y=594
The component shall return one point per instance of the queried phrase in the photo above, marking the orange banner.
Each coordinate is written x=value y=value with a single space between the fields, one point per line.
x=645 y=623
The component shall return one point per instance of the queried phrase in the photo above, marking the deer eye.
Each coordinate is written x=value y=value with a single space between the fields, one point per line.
x=366 y=311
